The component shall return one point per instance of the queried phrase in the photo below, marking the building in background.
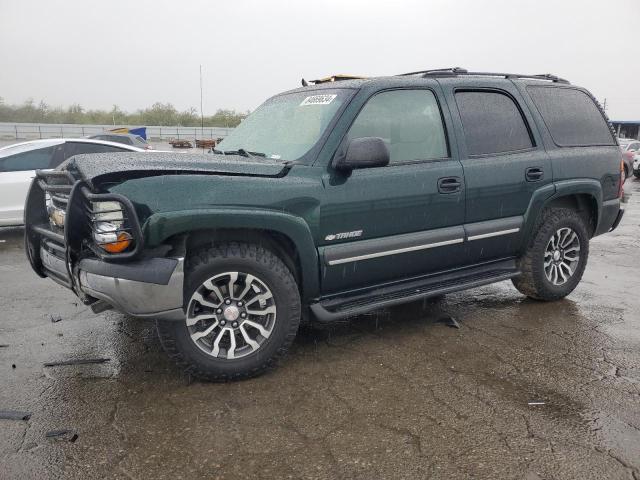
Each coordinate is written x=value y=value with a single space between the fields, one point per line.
x=627 y=128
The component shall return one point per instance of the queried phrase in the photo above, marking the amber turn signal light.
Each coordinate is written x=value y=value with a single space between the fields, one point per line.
x=120 y=245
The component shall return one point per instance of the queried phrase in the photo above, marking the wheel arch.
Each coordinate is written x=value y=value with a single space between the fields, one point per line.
x=287 y=235
x=582 y=195
x=585 y=204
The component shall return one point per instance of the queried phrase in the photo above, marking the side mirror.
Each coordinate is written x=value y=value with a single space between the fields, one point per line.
x=365 y=152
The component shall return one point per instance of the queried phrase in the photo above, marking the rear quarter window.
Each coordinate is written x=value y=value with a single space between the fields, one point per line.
x=572 y=117
x=124 y=140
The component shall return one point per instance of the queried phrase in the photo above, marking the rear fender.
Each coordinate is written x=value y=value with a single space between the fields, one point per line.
x=547 y=194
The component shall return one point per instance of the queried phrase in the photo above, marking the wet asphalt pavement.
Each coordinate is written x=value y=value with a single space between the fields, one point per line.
x=523 y=390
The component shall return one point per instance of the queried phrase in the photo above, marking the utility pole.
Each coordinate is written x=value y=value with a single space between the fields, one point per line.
x=604 y=105
x=201 y=114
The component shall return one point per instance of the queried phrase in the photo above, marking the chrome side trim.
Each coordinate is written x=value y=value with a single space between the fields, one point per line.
x=395 y=251
x=493 y=234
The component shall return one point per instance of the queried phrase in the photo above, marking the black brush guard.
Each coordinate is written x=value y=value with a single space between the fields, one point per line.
x=65 y=247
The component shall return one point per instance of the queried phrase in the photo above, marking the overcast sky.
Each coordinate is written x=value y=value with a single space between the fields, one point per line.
x=135 y=52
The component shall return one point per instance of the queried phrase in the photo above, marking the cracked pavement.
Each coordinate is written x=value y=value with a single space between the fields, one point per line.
x=523 y=390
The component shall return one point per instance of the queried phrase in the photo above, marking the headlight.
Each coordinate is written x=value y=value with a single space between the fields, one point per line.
x=108 y=212
x=108 y=223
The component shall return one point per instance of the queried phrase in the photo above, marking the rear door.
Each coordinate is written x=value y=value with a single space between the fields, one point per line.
x=389 y=223
x=504 y=163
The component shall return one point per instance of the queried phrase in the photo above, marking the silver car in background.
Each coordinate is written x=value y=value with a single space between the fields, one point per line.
x=19 y=162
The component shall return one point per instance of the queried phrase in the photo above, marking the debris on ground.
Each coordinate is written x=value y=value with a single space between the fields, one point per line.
x=55 y=319
x=14 y=415
x=448 y=320
x=535 y=403
x=64 y=434
x=77 y=361
x=3 y=345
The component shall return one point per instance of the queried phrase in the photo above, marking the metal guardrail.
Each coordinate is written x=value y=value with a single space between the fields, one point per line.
x=31 y=131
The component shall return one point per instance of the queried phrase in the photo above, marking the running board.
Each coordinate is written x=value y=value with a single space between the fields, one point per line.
x=349 y=305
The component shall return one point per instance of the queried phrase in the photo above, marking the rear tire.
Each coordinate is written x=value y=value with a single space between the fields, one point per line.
x=242 y=313
x=556 y=256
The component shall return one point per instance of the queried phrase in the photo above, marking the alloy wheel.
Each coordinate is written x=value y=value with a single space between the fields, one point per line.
x=231 y=315
x=562 y=255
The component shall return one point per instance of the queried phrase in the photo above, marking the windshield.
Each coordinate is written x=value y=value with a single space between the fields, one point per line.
x=286 y=126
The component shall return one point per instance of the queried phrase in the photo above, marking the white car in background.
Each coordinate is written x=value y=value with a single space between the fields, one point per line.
x=19 y=162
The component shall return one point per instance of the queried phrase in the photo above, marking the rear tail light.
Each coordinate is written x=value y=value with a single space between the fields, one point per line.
x=621 y=187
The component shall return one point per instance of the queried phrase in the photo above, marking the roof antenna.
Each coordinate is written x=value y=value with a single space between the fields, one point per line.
x=304 y=83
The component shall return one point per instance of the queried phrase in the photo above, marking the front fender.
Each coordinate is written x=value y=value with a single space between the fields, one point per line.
x=161 y=226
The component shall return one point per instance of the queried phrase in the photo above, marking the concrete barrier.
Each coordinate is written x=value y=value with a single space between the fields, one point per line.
x=31 y=131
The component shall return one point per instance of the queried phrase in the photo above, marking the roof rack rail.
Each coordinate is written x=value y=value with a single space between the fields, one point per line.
x=456 y=71
x=437 y=71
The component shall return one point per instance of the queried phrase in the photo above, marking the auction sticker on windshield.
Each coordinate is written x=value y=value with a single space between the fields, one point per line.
x=318 y=100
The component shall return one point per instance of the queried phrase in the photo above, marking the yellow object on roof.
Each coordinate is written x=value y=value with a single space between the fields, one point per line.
x=335 y=78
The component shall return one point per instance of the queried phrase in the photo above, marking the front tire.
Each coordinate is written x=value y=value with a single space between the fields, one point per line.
x=242 y=310
x=556 y=257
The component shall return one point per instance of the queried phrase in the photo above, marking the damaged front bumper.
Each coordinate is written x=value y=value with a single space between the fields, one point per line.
x=139 y=286
x=150 y=288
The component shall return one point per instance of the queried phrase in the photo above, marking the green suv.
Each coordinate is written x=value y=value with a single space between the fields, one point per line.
x=341 y=197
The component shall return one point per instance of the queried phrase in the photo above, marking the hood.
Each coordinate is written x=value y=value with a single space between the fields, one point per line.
x=97 y=167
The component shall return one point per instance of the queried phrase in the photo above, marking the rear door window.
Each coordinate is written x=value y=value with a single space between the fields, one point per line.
x=572 y=117
x=409 y=122
x=76 y=148
x=492 y=123
x=31 y=160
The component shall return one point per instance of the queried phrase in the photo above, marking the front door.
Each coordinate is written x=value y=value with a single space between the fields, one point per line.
x=387 y=224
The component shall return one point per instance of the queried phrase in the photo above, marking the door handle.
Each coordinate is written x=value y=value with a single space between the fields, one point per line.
x=534 y=174
x=449 y=184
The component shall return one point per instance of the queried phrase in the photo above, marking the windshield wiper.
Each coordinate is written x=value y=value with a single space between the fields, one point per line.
x=242 y=152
